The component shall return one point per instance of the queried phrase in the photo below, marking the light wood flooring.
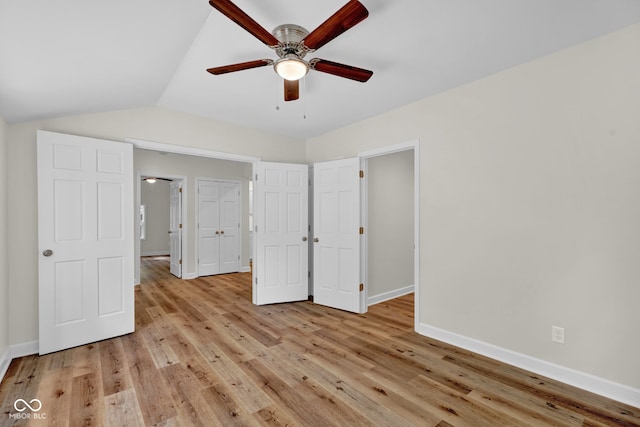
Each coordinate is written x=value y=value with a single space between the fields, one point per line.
x=203 y=355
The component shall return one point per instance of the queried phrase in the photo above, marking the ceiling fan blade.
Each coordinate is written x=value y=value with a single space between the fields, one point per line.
x=341 y=70
x=233 y=12
x=291 y=90
x=348 y=16
x=240 y=66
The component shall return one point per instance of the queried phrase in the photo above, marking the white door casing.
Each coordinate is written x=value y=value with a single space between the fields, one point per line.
x=336 y=247
x=218 y=227
x=85 y=239
x=175 y=228
x=281 y=218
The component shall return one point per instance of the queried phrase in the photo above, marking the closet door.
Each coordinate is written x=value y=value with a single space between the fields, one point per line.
x=208 y=228
x=229 y=227
x=218 y=227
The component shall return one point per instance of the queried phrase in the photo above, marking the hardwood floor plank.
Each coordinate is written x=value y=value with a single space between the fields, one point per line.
x=87 y=395
x=203 y=354
x=115 y=375
x=152 y=392
x=121 y=409
x=232 y=375
x=56 y=390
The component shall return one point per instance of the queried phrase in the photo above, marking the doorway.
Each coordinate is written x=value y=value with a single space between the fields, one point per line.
x=160 y=225
x=390 y=200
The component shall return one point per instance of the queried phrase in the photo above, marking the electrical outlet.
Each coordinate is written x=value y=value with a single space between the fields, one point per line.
x=557 y=334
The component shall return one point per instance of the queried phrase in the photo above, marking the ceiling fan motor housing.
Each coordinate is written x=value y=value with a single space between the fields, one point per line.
x=290 y=37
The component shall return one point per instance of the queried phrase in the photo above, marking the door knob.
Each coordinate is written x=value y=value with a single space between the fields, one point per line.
x=217 y=232
x=222 y=232
x=304 y=238
x=316 y=240
x=47 y=252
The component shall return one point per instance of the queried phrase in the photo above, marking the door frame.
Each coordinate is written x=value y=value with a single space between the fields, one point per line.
x=364 y=260
x=197 y=217
x=183 y=213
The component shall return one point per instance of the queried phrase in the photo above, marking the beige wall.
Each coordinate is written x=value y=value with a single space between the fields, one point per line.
x=530 y=204
x=151 y=124
x=193 y=167
x=390 y=234
x=4 y=247
x=156 y=199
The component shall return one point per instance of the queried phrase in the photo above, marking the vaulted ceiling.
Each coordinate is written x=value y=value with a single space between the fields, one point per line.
x=68 y=57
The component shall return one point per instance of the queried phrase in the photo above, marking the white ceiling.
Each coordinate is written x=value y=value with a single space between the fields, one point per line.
x=69 y=57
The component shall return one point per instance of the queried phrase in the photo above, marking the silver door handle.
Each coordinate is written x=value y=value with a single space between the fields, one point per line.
x=47 y=252
x=316 y=240
x=304 y=238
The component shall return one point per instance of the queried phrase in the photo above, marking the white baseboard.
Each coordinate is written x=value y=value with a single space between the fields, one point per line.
x=245 y=269
x=189 y=276
x=155 y=253
x=376 y=299
x=620 y=392
x=24 y=349
x=5 y=361
x=15 y=351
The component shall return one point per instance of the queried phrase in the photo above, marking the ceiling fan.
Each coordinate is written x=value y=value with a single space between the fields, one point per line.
x=293 y=42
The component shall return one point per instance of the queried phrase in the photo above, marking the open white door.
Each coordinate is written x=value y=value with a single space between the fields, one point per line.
x=208 y=228
x=281 y=217
x=336 y=247
x=175 y=228
x=85 y=238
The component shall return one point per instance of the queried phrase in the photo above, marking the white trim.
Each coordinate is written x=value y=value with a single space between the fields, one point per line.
x=155 y=253
x=24 y=349
x=5 y=361
x=619 y=392
x=245 y=269
x=189 y=276
x=390 y=149
x=190 y=151
x=386 y=296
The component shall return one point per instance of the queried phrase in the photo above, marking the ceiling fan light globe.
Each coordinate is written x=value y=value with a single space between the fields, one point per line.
x=291 y=68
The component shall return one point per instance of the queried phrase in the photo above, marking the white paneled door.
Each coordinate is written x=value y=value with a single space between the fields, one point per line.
x=218 y=227
x=175 y=228
x=229 y=227
x=85 y=239
x=281 y=218
x=336 y=242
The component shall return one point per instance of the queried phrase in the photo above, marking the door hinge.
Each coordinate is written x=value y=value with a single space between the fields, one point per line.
x=361 y=174
x=256 y=228
x=309 y=274
x=256 y=180
x=256 y=280
x=361 y=230
x=238 y=257
x=180 y=190
x=180 y=262
x=180 y=226
x=361 y=287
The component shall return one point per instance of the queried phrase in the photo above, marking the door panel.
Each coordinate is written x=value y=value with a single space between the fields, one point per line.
x=85 y=205
x=229 y=227
x=219 y=227
x=175 y=228
x=336 y=229
x=280 y=259
x=208 y=228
